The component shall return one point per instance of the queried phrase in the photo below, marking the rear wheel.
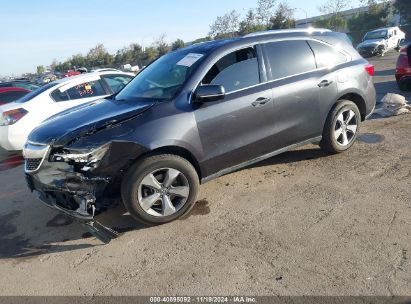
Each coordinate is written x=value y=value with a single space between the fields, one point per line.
x=341 y=128
x=160 y=188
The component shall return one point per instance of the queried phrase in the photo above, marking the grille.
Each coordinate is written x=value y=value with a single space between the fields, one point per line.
x=33 y=164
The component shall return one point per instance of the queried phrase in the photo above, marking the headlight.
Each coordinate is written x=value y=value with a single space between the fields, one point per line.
x=87 y=160
x=12 y=116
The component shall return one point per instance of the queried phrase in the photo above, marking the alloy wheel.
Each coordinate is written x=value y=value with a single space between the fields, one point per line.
x=163 y=192
x=346 y=127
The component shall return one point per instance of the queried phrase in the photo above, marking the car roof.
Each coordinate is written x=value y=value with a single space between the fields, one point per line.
x=85 y=76
x=13 y=89
x=258 y=37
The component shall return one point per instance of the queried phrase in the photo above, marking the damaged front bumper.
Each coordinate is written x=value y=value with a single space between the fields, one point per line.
x=68 y=183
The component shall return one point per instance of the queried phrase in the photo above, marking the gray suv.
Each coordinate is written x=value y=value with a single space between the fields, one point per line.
x=196 y=114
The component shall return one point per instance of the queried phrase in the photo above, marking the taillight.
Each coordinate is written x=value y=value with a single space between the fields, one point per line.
x=12 y=116
x=403 y=51
x=370 y=69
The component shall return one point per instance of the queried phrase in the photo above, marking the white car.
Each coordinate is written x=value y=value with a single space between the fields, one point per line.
x=19 y=118
x=378 y=42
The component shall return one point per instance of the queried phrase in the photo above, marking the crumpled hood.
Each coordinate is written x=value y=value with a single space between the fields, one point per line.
x=86 y=119
x=371 y=42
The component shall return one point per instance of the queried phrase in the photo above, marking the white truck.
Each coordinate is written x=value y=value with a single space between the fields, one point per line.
x=378 y=42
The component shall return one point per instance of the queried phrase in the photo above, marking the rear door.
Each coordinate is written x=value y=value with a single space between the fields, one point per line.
x=294 y=80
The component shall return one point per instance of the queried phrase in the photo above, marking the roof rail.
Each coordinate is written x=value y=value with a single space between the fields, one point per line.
x=304 y=30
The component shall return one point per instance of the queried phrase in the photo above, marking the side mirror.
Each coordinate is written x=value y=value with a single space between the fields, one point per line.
x=209 y=92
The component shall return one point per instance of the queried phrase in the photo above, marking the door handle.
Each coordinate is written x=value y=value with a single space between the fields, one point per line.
x=324 y=83
x=261 y=101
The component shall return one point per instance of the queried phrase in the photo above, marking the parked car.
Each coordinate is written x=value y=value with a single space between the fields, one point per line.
x=403 y=70
x=24 y=84
x=10 y=94
x=71 y=73
x=378 y=42
x=198 y=113
x=19 y=118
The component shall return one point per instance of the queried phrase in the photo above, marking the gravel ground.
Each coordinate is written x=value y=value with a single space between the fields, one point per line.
x=302 y=223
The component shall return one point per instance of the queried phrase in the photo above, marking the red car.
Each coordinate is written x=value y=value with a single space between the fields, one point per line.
x=11 y=94
x=71 y=73
x=403 y=70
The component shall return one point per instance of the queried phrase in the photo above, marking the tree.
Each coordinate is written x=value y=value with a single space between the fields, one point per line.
x=99 y=57
x=403 y=7
x=40 y=69
x=250 y=24
x=178 y=44
x=225 y=26
x=377 y=16
x=334 y=7
x=161 y=45
x=335 y=21
x=283 y=17
x=265 y=11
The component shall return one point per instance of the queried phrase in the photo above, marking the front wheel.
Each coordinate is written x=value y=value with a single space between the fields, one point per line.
x=341 y=128
x=160 y=188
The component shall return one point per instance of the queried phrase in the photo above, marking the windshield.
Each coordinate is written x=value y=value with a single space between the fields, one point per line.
x=376 y=35
x=35 y=93
x=164 y=78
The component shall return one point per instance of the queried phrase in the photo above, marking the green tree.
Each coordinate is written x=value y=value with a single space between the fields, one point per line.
x=377 y=16
x=265 y=11
x=40 y=69
x=403 y=7
x=225 y=26
x=250 y=24
x=334 y=19
x=283 y=17
x=178 y=44
x=161 y=45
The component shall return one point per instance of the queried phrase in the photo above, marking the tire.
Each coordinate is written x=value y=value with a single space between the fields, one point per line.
x=138 y=189
x=331 y=141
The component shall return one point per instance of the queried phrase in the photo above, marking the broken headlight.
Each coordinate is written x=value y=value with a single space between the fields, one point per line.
x=85 y=161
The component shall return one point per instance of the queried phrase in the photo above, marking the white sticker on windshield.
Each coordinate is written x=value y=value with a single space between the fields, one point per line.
x=190 y=59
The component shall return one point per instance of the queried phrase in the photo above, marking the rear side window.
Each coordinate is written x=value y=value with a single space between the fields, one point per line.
x=117 y=82
x=11 y=96
x=325 y=55
x=84 y=90
x=288 y=58
x=235 y=71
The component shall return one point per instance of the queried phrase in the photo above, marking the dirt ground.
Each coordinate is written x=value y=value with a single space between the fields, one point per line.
x=302 y=223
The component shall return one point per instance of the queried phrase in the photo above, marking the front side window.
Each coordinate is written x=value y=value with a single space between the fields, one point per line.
x=235 y=71
x=164 y=78
x=288 y=58
x=117 y=82
x=326 y=56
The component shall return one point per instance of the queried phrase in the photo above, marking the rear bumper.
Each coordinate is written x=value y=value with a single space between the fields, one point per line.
x=12 y=138
x=370 y=99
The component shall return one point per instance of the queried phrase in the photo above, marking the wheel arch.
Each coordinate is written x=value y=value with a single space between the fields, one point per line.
x=175 y=150
x=357 y=99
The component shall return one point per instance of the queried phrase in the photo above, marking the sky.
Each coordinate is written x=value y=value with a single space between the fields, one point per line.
x=34 y=32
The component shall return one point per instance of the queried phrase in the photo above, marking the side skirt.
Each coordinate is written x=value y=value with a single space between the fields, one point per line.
x=314 y=140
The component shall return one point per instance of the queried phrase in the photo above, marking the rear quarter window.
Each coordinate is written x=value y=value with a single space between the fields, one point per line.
x=288 y=58
x=325 y=55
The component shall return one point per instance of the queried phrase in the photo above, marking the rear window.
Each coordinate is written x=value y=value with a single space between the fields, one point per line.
x=7 y=97
x=37 y=92
x=288 y=58
x=326 y=56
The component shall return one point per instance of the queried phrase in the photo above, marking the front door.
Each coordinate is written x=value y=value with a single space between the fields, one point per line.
x=238 y=128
